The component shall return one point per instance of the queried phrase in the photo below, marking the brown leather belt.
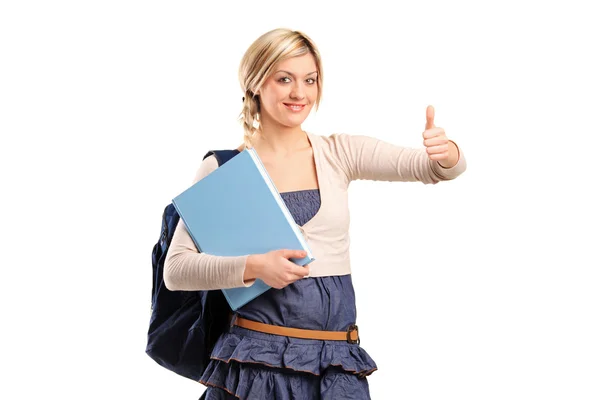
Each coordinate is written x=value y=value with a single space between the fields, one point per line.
x=350 y=335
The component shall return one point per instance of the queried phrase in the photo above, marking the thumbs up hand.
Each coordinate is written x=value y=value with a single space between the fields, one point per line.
x=437 y=145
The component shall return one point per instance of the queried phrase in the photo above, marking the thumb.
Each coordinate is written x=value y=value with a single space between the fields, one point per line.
x=294 y=254
x=429 y=115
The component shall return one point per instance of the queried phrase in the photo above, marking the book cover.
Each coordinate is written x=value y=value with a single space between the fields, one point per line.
x=236 y=210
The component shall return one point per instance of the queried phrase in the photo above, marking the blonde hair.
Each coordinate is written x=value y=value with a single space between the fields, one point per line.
x=258 y=64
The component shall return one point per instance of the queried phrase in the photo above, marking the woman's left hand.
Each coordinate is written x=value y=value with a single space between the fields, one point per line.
x=438 y=147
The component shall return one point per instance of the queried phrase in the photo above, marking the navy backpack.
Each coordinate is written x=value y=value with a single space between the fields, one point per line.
x=184 y=325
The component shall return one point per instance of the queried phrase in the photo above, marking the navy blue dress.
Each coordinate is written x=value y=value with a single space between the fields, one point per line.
x=247 y=364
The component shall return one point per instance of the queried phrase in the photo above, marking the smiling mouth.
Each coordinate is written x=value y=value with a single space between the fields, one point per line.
x=294 y=107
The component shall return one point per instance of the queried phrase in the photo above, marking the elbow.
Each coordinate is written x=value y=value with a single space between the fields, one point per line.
x=177 y=276
x=170 y=274
x=169 y=283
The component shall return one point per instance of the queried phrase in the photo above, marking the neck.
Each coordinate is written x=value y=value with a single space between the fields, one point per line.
x=277 y=139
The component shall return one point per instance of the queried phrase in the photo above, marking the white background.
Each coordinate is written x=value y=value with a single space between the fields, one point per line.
x=486 y=287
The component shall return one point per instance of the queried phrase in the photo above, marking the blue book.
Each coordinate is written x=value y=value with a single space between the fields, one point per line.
x=236 y=210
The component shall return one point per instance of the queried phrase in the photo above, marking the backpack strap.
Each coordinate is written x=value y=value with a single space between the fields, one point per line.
x=222 y=156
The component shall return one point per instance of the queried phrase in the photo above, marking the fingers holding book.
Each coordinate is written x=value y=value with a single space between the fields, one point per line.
x=275 y=268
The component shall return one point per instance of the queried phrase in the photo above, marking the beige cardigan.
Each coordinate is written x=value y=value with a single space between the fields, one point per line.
x=339 y=159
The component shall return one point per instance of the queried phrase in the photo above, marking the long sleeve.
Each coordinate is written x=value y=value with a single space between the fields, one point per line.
x=364 y=157
x=187 y=269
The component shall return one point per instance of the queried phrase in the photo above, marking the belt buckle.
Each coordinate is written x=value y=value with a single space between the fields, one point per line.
x=351 y=328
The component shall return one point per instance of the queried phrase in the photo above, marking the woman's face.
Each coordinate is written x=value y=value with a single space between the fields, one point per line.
x=288 y=95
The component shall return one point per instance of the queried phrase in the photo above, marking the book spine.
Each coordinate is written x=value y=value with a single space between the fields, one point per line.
x=279 y=200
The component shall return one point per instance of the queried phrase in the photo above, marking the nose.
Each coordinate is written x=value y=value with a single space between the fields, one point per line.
x=297 y=91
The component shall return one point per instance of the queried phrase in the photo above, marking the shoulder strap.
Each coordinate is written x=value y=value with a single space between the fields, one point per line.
x=222 y=156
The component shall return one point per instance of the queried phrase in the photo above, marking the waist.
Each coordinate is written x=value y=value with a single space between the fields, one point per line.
x=350 y=334
x=322 y=303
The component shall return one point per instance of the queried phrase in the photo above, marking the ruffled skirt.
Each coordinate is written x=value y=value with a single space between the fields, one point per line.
x=247 y=364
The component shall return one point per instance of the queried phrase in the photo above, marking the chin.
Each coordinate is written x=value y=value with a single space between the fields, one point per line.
x=297 y=118
x=291 y=121
x=294 y=122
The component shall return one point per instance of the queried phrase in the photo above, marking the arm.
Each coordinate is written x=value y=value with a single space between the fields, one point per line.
x=364 y=157
x=187 y=269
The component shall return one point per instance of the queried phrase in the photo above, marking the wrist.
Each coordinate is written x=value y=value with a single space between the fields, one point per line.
x=253 y=266
x=453 y=156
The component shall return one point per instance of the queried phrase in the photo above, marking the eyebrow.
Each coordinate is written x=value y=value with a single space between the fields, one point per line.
x=289 y=73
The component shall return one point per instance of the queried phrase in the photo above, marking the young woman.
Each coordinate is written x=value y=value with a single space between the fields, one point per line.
x=299 y=339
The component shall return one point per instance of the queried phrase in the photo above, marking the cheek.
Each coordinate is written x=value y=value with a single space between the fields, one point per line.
x=268 y=98
x=275 y=95
x=282 y=93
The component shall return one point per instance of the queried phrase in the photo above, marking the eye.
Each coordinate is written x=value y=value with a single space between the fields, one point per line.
x=311 y=81
x=285 y=79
